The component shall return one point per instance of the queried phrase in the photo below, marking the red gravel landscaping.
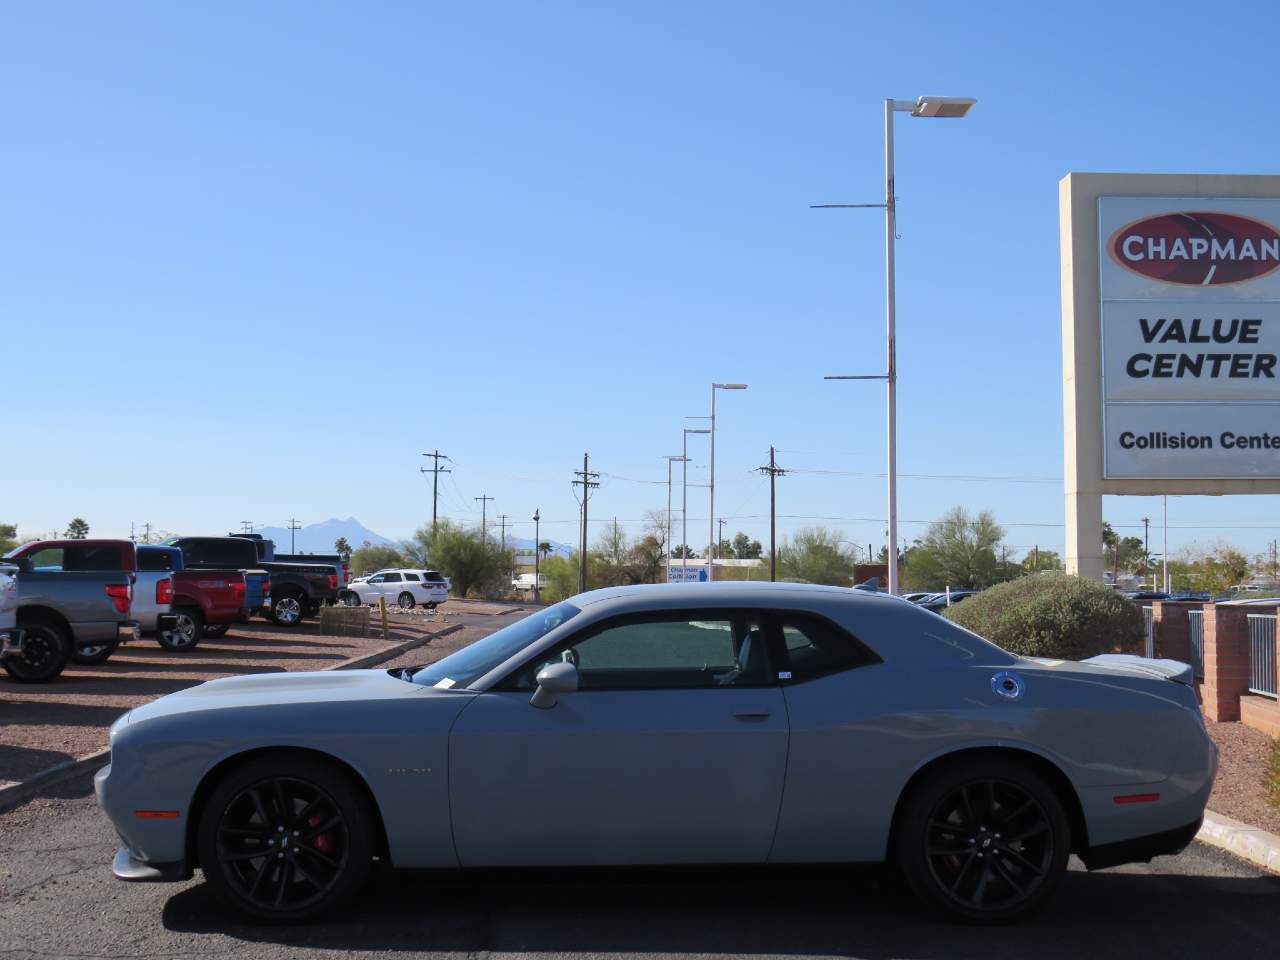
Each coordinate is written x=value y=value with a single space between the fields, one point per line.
x=1239 y=793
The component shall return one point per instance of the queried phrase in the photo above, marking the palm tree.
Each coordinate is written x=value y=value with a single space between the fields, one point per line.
x=545 y=549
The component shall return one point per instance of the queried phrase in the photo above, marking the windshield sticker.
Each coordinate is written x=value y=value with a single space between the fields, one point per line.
x=446 y=683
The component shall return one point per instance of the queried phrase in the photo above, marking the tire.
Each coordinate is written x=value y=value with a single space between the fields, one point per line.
x=321 y=816
x=89 y=656
x=186 y=634
x=405 y=601
x=211 y=631
x=287 y=610
x=431 y=605
x=983 y=840
x=350 y=599
x=45 y=652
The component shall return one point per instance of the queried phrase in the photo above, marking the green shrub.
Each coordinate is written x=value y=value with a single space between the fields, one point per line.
x=1053 y=615
x=1271 y=777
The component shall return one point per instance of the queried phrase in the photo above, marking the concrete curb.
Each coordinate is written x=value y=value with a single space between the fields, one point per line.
x=14 y=794
x=1256 y=846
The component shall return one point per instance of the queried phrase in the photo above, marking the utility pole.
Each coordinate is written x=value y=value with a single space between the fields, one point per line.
x=484 y=503
x=246 y=526
x=435 y=470
x=1165 y=558
x=1146 y=552
x=773 y=470
x=1035 y=563
x=588 y=483
x=720 y=537
x=502 y=522
x=537 y=556
x=670 y=460
x=294 y=527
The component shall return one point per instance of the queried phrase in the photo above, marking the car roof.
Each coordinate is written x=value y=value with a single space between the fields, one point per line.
x=724 y=593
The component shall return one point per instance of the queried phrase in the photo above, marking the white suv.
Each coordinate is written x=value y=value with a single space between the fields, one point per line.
x=403 y=588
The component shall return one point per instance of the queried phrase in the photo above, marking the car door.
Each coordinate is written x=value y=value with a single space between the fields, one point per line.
x=371 y=589
x=391 y=587
x=672 y=750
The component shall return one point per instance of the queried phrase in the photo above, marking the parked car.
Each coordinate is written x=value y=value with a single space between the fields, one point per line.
x=938 y=602
x=153 y=587
x=918 y=596
x=8 y=609
x=403 y=588
x=527 y=581
x=659 y=725
x=74 y=600
x=296 y=590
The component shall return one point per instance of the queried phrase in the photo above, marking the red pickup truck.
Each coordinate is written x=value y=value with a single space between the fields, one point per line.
x=204 y=599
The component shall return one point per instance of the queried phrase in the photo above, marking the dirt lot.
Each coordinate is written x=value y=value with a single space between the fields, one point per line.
x=44 y=724
x=1242 y=764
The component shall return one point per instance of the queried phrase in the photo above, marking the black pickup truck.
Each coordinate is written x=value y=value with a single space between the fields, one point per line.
x=298 y=590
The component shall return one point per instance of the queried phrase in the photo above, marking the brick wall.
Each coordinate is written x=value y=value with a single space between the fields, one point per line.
x=1226 y=659
x=1172 y=633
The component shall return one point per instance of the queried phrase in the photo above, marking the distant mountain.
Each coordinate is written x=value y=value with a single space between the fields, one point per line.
x=320 y=537
x=557 y=549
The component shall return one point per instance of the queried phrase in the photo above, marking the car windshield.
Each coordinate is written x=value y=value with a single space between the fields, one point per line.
x=469 y=664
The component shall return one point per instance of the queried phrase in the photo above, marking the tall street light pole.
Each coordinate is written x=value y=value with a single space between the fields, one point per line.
x=537 y=556
x=684 y=494
x=922 y=107
x=711 y=522
x=670 y=460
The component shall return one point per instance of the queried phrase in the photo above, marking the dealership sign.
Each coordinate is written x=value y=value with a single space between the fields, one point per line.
x=1190 y=337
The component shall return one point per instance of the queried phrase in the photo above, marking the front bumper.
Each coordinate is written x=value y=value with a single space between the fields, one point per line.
x=125 y=867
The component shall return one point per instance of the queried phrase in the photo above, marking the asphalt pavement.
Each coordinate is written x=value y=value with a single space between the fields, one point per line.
x=58 y=899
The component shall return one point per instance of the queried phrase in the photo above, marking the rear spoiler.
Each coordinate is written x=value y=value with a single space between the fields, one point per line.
x=1174 y=670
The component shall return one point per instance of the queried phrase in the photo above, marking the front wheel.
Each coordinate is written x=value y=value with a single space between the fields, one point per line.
x=187 y=630
x=285 y=838
x=351 y=599
x=286 y=610
x=983 y=840
x=45 y=652
x=212 y=631
x=89 y=656
x=406 y=601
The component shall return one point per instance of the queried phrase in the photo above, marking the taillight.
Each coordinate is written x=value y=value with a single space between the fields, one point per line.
x=164 y=591
x=346 y=573
x=266 y=586
x=237 y=587
x=119 y=594
x=333 y=581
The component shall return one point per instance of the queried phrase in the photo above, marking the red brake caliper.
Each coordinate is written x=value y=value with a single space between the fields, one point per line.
x=323 y=842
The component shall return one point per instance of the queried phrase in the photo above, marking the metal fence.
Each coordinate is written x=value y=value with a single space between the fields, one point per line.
x=1195 y=627
x=1149 y=631
x=1262 y=654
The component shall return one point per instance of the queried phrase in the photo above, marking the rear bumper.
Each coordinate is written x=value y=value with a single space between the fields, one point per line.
x=1141 y=849
x=129 y=630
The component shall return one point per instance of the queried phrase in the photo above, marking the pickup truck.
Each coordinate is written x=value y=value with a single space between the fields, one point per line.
x=204 y=599
x=296 y=590
x=153 y=586
x=267 y=553
x=59 y=614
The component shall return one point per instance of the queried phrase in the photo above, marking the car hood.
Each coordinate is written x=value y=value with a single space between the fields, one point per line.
x=266 y=689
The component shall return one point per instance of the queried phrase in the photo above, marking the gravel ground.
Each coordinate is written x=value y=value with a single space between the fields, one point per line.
x=45 y=724
x=1242 y=763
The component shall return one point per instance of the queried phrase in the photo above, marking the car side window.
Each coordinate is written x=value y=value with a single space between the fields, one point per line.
x=667 y=653
x=392 y=578
x=378 y=579
x=816 y=647
x=412 y=576
x=47 y=558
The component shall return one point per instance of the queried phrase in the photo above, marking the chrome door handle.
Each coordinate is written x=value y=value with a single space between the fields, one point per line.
x=747 y=715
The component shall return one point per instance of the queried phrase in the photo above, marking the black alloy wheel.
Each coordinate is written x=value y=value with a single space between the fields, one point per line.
x=406 y=601
x=285 y=840
x=351 y=599
x=45 y=652
x=187 y=630
x=985 y=844
x=98 y=653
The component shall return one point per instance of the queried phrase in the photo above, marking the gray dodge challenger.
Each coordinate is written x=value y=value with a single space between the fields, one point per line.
x=688 y=724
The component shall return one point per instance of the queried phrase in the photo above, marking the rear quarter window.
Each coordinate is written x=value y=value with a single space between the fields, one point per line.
x=815 y=647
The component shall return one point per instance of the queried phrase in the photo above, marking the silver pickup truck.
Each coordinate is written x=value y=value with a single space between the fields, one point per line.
x=60 y=613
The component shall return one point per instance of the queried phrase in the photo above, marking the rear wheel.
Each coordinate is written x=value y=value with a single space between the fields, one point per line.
x=286 y=838
x=286 y=610
x=187 y=630
x=406 y=601
x=45 y=652
x=351 y=599
x=212 y=631
x=96 y=654
x=983 y=840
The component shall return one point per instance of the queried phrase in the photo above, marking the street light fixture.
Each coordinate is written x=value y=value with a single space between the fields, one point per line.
x=711 y=527
x=684 y=494
x=944 y=107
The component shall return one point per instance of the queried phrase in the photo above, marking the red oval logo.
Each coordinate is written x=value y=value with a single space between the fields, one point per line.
x=1201 y=248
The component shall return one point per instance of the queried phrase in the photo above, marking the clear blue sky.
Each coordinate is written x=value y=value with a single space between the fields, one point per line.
x=257 y=257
